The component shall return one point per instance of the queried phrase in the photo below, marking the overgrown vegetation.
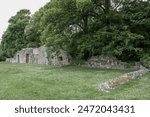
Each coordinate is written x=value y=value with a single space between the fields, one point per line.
x=40 y=82
x=84 y=28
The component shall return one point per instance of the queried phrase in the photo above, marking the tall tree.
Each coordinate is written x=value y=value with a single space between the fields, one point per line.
x=33 y=30
x=13 y=38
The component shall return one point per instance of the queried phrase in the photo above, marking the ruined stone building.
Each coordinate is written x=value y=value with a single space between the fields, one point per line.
x=60 y=57
x=32 y=56
x=40 y=56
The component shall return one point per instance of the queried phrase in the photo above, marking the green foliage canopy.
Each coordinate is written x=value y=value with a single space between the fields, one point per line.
x=13 y=38
x=84 y=28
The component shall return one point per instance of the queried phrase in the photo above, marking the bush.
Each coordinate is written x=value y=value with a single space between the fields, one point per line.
x=145 y=61
x=2 y=58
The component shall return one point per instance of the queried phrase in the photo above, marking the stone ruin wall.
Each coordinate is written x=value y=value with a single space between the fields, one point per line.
x=40 y=56
x=113 y=83
x=60 y=58
x=11 y=60
x=109 y=62
x=32 y=56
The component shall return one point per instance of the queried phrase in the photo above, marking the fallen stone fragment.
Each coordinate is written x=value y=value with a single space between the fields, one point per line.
x=111 y=84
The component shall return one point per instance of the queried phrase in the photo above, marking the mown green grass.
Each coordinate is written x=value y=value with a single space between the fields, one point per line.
x=41 y=82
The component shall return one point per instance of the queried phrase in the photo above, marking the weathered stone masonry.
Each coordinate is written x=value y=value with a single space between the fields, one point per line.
x=113 y=83
x=40 y=56
x=110 y=62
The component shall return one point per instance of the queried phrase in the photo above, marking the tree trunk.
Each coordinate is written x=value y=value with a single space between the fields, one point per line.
x=85 y=24
x=107 y=6
x=107 y=12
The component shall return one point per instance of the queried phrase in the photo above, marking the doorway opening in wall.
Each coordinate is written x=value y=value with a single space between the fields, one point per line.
x=18 y=58
x=27 y=58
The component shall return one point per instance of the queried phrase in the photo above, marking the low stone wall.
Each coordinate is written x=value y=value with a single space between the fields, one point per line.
x=109 y=62
x=111 y=84
x=10 y=60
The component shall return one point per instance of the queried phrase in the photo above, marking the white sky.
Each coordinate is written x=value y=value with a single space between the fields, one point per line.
x=9 y=8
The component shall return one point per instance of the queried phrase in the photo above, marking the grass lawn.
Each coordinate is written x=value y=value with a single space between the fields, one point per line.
x=22 y=81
